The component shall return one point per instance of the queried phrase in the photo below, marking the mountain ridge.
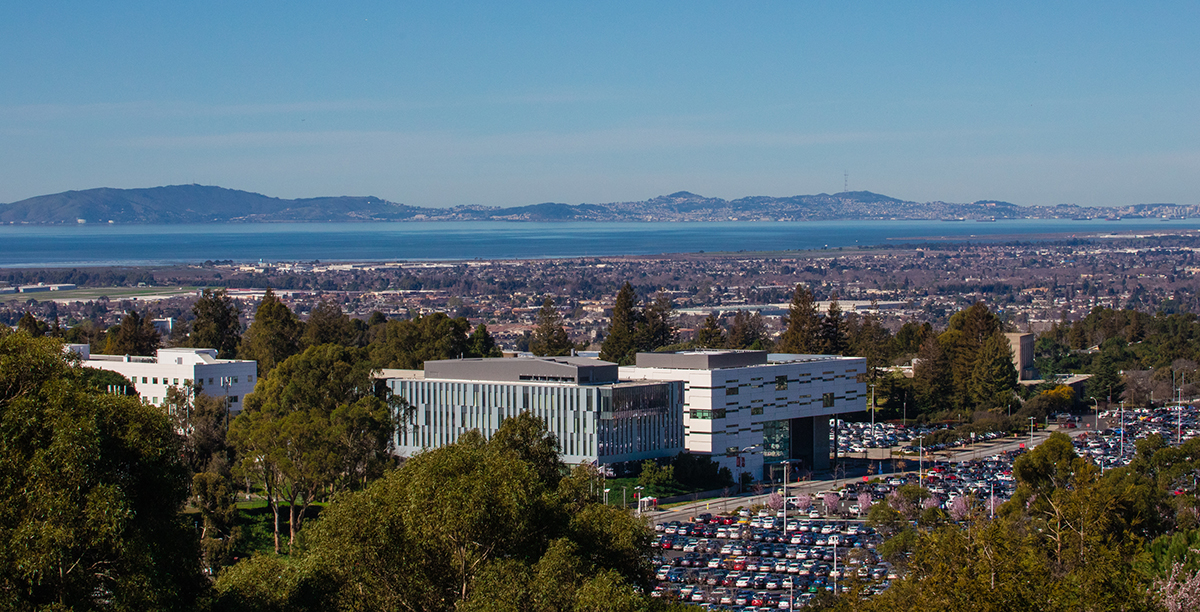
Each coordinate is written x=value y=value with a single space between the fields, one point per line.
x=211 y=204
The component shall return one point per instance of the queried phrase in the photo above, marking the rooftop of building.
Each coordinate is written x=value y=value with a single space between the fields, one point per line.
x=711 y=359
x=178 y=356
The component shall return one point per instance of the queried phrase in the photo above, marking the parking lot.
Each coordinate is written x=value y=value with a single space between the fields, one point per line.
x=743 y=562
x=760 y=562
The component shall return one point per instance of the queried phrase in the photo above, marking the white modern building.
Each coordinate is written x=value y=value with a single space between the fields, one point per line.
x=751 y=411
x=174 y=367
x=596 y=417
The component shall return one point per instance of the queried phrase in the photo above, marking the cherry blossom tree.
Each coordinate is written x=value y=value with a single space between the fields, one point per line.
x=960 y=509
x=1180 y=591
x=864 y=503
x=832 y=502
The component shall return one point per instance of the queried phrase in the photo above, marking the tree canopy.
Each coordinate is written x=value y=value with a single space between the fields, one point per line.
x=91 y=492
x=474 y=525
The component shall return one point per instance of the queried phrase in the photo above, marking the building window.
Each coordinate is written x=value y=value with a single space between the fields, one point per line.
x=718 y=413
x=144 y=381
x=781 y=383
x=235 y=379
x=702 y=414
x=209 y=381
x=233 y=399
x=174 y=381
x=827 y=399
x=731 y=390
x=155 y=379
x=756 y=410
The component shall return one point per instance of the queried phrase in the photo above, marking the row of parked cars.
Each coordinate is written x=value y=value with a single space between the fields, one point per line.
x=859 y=437
x=762 y=561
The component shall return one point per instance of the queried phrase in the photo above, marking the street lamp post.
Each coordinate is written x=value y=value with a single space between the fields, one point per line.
x=1031 y=419
x=638 y=495
x=1097 y=406
x=606 y=496
x=1122 y=430
x=920 y=460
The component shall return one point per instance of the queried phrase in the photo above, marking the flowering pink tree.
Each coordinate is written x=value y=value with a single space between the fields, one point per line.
x=864 y=503
x=931 y=502
x=804 y=502
x=960 y=509
x=775 y=501
x=832 y=502
x=1180 y=591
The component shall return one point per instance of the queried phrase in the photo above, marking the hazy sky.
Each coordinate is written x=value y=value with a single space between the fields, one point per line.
x=510 y=103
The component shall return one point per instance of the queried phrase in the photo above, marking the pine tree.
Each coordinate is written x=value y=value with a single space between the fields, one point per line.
x=620 y=343
x=833 y=332
x=711 y=334
x=931 y=377
x=216 y=324
x=994 y=378
x=801 y=325
x=135 y=335
x=549 y=337
x=658 y=326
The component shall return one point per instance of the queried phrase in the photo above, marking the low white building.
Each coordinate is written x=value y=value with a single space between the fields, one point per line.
x=174 y=367
x=751 y=411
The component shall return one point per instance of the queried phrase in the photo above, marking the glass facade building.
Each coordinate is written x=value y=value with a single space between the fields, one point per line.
x=601 y=420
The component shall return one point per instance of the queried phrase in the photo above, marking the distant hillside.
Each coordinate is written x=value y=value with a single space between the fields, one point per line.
x=194 y=204
x=202 y=204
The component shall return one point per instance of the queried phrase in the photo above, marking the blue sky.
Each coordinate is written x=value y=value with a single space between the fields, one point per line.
x=444 y=103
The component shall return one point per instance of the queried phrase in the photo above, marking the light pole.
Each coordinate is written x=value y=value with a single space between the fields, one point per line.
x=920 y=461
x=638 y=494
x=606 y=496
x=1097 y=406
x=1122 y=430
x=835 y=569
x=992 y=499
x=1031 y=433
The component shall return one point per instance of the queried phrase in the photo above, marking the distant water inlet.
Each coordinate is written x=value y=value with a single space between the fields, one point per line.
x=97 y=245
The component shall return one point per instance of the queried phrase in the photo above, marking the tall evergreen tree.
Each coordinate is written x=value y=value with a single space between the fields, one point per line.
x=135 y=335
x=747 y=331
x=962 y=341
x=833 y=331
x=995 y=377
x=931 y=377
x=801 y=324
x=711 y=334
x=273 y=336
x=216 y=324
x=658 y=325
x=868 y=338
x=620 y=343
x=549 y=337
